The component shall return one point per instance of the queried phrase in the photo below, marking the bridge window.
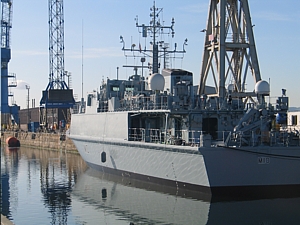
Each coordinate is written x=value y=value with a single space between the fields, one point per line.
x=294 y=120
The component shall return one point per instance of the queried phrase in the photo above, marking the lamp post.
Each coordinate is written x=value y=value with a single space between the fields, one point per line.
x=27 y=88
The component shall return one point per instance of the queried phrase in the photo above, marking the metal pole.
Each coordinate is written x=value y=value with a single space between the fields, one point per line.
x=27 y=88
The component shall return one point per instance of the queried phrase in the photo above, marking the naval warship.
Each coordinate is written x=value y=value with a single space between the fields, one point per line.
x=162 y=128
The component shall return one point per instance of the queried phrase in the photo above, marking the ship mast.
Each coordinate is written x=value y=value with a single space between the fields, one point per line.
x=158 y=48
x=229 y=48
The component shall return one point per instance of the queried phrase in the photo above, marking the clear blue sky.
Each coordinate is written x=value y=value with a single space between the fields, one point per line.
x=277 y=36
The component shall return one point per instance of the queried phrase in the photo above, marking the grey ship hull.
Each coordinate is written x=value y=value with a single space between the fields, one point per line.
x=198 y=168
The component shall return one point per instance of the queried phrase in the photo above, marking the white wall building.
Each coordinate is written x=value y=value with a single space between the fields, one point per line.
x=293 y=120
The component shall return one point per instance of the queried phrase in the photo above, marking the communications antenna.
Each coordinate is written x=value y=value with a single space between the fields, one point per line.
x=158 y=49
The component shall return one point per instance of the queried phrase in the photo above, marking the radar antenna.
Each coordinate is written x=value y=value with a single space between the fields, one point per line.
x=154 y=30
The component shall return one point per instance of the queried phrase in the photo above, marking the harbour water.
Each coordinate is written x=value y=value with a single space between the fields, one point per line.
x=55 y=187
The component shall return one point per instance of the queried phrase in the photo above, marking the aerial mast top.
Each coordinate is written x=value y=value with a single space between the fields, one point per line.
x=155 y=29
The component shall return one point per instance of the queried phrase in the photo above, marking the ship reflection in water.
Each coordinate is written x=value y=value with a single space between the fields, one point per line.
x=49 y=187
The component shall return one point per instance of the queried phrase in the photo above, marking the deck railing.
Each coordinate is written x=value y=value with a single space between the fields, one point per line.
x=270 y=138
x=193 y=138
x=177 y=137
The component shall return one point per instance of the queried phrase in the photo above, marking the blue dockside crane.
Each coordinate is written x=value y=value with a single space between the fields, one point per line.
x=57 y=94
x=9 y=114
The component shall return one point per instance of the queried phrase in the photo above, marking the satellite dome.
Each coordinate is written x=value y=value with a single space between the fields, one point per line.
x=262 y=87
x=156 y=82
x=230 y=87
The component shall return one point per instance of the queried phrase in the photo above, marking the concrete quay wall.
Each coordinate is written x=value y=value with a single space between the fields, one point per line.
x=5 y=221
x=53 y=141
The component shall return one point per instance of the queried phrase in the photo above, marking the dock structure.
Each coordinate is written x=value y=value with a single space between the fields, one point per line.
x=57 y=94
x=5 y=221
x=41 y=140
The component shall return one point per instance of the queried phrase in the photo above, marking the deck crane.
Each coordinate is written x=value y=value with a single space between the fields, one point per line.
x=57 y=94
x=8 y=113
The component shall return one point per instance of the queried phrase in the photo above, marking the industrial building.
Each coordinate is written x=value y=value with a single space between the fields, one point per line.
x=56 y=119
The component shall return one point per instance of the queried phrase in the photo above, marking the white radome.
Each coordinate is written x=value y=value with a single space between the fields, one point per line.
x=230 y=87
x=156 y=82
x=262 y=87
